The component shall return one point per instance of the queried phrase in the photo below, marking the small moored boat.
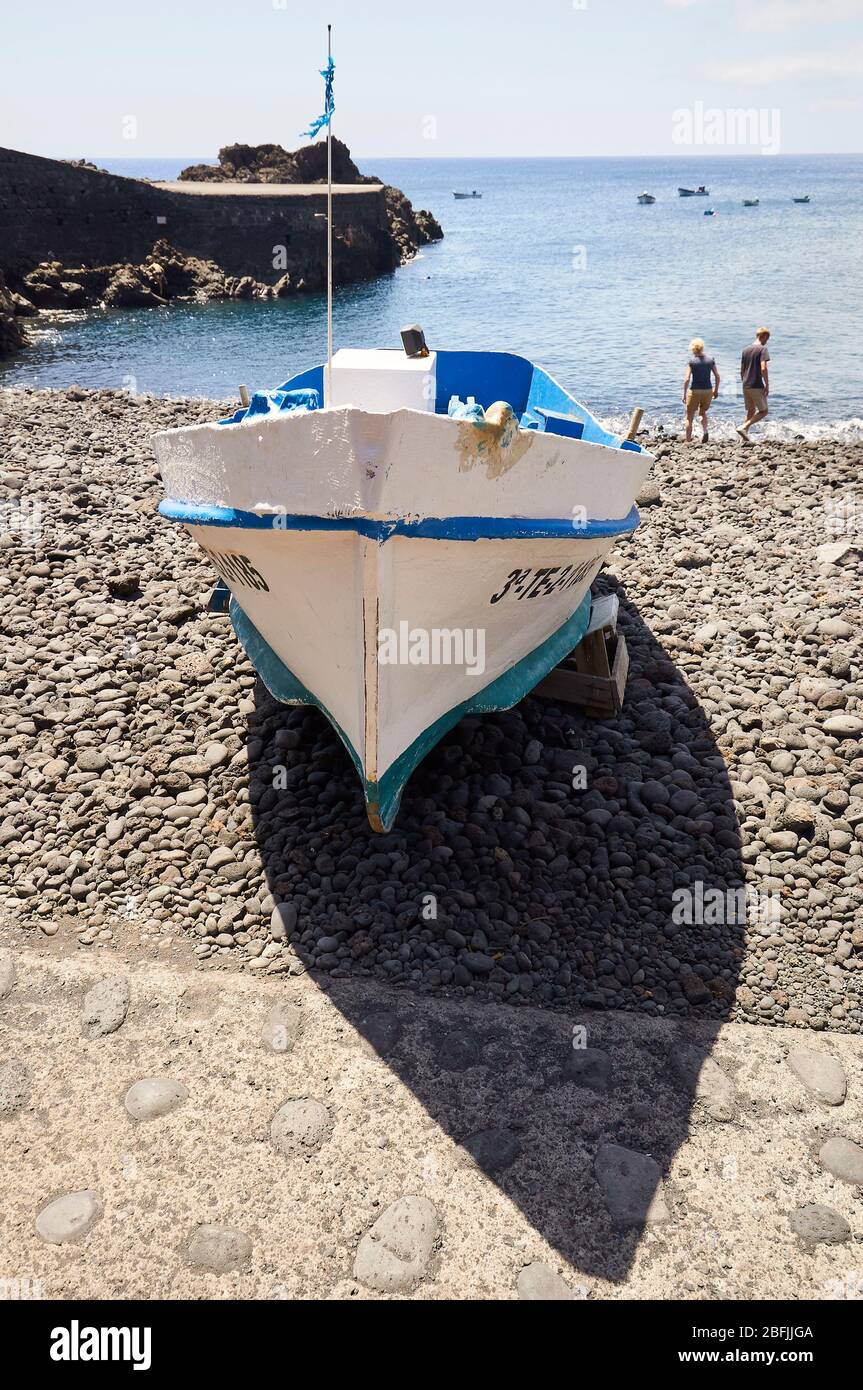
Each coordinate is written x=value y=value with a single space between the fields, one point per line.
x=699 y=192
x=750 y=202
x=473 y=194
x=646 y=199
x=805 y=199
x=406 y=539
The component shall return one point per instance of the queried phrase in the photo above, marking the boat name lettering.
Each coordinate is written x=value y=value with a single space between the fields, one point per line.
x=238 y=569
x=538 y=583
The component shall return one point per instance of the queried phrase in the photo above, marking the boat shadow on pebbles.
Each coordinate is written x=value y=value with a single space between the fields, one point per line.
x=539 y=858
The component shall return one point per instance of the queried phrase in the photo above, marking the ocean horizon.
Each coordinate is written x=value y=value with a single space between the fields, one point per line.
x=556 y=261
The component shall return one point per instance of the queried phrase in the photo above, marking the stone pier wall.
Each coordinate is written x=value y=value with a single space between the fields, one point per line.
x=50 y=210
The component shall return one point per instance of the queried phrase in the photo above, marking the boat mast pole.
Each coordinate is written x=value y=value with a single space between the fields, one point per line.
x=329 y=232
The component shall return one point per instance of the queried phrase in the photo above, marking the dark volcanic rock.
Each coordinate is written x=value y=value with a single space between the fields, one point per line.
x=273 y=164
x=165 y=274
x=410 y=229
x=11 y=333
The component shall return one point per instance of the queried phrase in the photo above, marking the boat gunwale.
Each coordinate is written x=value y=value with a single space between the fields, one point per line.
x=614 y=442
x=620 y=445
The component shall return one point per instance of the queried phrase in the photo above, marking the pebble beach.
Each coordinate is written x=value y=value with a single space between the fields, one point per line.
x=156 y=798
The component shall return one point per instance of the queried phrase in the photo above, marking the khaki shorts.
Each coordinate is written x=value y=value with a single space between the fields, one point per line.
x=754 y=399
x=698 y=400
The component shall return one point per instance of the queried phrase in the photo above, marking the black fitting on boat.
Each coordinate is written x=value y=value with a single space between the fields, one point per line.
x=414 y=341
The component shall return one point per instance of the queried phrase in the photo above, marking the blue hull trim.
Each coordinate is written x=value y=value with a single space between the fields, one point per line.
x=383 y=797
x=453 y=528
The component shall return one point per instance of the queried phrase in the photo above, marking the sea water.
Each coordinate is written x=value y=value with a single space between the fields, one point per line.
x=559 y=262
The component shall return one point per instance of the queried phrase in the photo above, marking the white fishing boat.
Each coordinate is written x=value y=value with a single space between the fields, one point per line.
x=699 y=192
x=646 y=199
x=406 y=538
x=472 y=194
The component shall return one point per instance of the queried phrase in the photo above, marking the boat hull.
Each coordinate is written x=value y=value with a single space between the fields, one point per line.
x=401 y=568
x=396 y=639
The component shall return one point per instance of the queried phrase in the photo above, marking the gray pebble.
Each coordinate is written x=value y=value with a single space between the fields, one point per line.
x=816 y=1223
x=283 y=920
x=820 y=1073
x=301 y=1126
x=478 y=963
x=219 y=1248
x=69 y=1217
x=707 y=1082
x=393 y=1256
x=493 y=1150
x=14 y=1087
x=105 y=1006
x=380 y=1030
x=7 y=974
x=459 y=1051
x=589 y=1067
x=843 y=1159
x=220 y=857
x=844 y=725
x=540 y=1283
x=282 y=1027
x=154 y=1096
x=631 y=1185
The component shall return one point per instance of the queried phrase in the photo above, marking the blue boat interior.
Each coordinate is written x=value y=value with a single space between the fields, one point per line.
x=539 y=402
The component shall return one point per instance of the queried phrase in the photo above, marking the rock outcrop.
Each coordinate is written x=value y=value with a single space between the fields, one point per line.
x=166 y=274
x=11 y=333
x=273 y=164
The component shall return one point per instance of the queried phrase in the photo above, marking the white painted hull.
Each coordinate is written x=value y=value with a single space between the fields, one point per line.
x=353 y=463
x=349 y=538
x=332 y=600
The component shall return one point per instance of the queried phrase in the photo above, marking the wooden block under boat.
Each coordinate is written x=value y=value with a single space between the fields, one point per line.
x=594 y=675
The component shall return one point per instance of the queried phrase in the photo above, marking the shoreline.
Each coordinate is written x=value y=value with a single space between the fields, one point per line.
x=138 y=754
x=654 y=431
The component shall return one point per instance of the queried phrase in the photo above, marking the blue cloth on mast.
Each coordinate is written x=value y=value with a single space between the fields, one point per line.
x=319 y=122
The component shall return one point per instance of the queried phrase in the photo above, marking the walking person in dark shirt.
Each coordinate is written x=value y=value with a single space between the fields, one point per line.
x=699 y=388
x=756 y=382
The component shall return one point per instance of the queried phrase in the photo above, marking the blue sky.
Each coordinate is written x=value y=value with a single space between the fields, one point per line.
x=442 y=78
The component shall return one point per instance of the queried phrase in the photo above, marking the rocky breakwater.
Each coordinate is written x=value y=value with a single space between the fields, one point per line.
x=217 y=242
x=152 y=793
x=268 y=164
